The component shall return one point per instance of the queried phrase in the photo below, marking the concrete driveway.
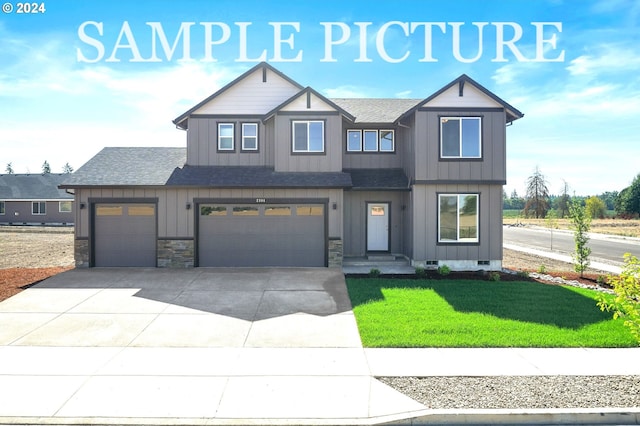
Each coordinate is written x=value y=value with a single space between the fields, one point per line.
x=208 y=345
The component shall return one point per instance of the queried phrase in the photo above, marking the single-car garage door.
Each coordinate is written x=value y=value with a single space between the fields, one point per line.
x=261 y=235
x=125 y=234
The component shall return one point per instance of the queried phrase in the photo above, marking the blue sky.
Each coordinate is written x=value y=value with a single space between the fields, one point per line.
x=78 y=76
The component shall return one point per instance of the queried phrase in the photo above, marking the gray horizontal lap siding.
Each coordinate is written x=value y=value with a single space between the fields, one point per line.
x=25 y=213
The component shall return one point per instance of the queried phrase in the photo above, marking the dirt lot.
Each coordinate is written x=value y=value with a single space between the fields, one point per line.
x=31 y=254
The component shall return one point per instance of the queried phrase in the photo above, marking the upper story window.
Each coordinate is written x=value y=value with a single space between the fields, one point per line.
x=38 y=207
x=249 y=136
x=370 y=140
x=458 y=218
x=225 y=137
x=308 y=136
x=460 y=137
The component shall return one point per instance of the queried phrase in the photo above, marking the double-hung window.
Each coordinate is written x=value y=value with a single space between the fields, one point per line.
x=226 y=137
x=458 y=218
x=38 y=208
x=249 y=136
x=308 y=136
x=2 y=207
x=460 y=137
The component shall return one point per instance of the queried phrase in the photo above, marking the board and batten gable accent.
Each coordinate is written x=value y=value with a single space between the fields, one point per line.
x=471 y=97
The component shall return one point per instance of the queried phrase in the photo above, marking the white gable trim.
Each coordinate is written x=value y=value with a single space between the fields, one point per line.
x=472 y=97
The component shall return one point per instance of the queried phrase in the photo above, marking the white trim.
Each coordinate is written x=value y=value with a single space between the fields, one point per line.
x=461 y=119
x=393 y=140
x=243 y=137
x=458 y=239
x=364 y=140
x=4 y=208
x=65 y=211
x=308 y=124
x=233 y=141
x=359 y=132
x=40 y=213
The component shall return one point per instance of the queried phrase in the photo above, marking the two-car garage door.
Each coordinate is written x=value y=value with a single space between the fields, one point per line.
x=261 y=234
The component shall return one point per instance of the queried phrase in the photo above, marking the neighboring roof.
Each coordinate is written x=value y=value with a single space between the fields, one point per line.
x=375 y=110
x=378 y=179
x=263 y=65
x=309 y=90
x=128 y=167
x=512 y=113
x=33 y=187
x=256 y=177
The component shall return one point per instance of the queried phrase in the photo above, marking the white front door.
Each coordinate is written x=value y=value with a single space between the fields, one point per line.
x=377 y=226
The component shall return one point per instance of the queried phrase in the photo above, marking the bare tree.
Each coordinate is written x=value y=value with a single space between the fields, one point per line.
x=537 y=195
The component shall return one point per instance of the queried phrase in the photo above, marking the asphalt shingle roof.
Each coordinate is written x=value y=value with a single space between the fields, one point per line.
x=255 y=176
x=128 y=167
x=33 y=187
x=378 y=179
x=374 y=110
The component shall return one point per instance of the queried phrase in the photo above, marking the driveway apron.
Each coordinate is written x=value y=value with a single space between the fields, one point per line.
x=221 y=345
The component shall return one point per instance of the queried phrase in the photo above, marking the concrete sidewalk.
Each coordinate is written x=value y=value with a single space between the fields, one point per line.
x=192 y=347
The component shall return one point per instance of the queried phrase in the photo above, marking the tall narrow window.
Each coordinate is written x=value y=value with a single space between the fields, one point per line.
x=386 y=141
x=370 y=140
x=460 y=137
x=225 y=137
x=308 y=136
x=458 y=218
x=249 y=136
x=354 y=140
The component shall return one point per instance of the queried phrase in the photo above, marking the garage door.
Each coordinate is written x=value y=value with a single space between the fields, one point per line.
x=261 y=235
x=125 y=235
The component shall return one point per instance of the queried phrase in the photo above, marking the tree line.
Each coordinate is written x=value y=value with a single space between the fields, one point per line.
x=538 y=202
x=45 y=168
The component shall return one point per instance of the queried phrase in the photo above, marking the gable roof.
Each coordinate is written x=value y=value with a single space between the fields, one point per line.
x=118 y=166
x=512 y=113
x=33 y=187
x=309 y=91
x=179 y=121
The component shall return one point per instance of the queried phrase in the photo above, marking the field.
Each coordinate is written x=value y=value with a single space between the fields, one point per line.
x=622 y=227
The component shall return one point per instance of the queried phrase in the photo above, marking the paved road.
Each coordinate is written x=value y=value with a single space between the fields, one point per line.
x=603 y=248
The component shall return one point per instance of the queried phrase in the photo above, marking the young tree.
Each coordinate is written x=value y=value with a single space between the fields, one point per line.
x=595 y=207
x=581 y=223
x=46 y=168
x=563 y=200
x=9 y=169
x=67 y=169
x=537 y=195
x=626 y=304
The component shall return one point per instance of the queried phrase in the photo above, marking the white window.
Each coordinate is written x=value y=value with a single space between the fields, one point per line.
x=225 y=137
x=370 y=140
x=308 y=136
x=64 y=206
x=460 y=137
x=387 y=143
x=39 y=207
x=2 y=207
x=249 y=136
x=458 y=218
x=354 y=140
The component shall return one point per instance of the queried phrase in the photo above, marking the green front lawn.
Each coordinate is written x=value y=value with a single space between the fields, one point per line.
x=476 y=313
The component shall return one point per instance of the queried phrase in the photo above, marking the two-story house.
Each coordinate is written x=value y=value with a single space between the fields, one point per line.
x=276 y=174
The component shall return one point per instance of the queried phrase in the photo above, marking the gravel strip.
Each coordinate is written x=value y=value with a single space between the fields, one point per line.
x=518 y=392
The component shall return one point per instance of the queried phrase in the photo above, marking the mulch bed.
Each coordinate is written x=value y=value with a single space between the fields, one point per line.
x=14 y=280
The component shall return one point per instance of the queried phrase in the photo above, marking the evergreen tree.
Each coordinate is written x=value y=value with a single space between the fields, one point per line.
x=9 y=169
x=537 y=195
x=46 y=168
x=581 y=223
x=67 y=169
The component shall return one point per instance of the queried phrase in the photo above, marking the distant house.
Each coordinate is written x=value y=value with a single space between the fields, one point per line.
x=276 y=174
x=34 y=199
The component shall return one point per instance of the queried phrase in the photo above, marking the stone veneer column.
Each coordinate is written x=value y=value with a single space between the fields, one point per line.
x=175 y=254
x=335 y=253
x=81 y=253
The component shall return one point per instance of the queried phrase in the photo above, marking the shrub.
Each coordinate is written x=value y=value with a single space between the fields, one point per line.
x=626 y=304
x=374 y=272
x=494 y=276
x=523 y=274
x=420 y=272
x=444 y=270
x=542 y=269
